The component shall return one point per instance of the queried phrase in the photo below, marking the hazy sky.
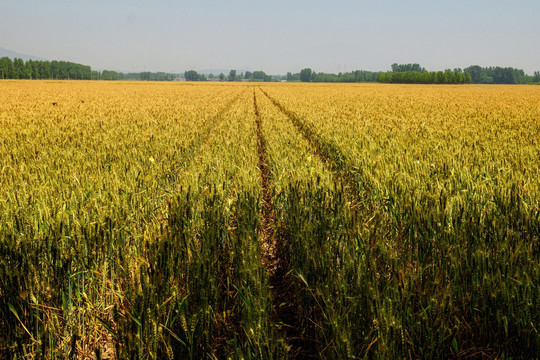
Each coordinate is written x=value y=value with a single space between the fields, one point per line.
x=275 y=36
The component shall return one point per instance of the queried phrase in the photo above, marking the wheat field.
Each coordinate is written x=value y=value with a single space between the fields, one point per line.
x=143 y=220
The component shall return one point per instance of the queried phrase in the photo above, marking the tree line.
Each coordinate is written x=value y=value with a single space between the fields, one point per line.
x=65 y=70
x=475 y=74
x=501 y=75
x=34 y=69
x=260 y=76
x=425 y=77
x=416 y=74
x=407 y=67
x=308 y=75
x=400 y=73
x=138 y=76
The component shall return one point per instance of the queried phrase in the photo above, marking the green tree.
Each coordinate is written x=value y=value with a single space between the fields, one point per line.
x=6 y=68
x=18 y=68
x=27 y=72
x=407 y=67
x=232 y=75
x=261 y=76
x=191 y=75
x=306 y=75
x=417 y=77
x=35 y=69
x=221 y=77
x=109 y=75
x=476 y=73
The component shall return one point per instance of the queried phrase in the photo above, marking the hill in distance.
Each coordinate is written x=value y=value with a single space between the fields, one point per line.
x=13 y=54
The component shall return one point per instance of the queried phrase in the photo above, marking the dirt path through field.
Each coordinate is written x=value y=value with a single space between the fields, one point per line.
x=275 y=258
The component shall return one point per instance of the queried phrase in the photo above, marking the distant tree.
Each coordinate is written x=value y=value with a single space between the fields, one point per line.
x=497 y=75
x=293 y=77
x=232 y=75
x=28 y=71
x=407 y=67
x=6 y=68
x=145 y=76
x=33 y=69
x=221 y=76
x=18 y=68
x=44 y=70
x=418 y=77
x=191 y=75
x=34 y=66
x=306 y=75
x=475 y=71
x=460 y=76
x=148 y=76
x=109 y=75
x=485 y=79
x=248 y=75
x=261 y=76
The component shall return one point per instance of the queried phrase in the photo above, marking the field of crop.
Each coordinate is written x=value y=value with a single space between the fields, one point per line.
x=191 y=220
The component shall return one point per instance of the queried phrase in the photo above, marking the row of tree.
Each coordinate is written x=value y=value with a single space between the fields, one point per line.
x=401 y=73
x=425 y=77
x=407 y=67
x=500 y=75
x=478 y=75
x=307 y=75
x=34 y=69
x=192 y=75
x=259 y=76
x=65 y=70
x=414 y=73
x=146 y=76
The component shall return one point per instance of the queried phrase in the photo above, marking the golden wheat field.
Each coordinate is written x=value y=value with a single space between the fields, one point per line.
x=143 y=220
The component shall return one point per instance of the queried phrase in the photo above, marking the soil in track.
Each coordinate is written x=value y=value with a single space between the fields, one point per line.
x=275 y=259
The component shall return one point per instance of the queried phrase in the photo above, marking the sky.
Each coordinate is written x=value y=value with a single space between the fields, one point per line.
x=275 y=36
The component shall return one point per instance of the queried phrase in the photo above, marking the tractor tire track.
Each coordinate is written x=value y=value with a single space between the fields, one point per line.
x=224 y=327
x=364 y=206
x=361 y=201
x=330 y=154
x=275 y=259
x=227 y=325
x=209 y=125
